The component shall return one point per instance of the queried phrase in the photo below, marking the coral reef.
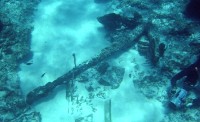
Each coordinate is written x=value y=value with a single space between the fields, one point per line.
x=15 y=35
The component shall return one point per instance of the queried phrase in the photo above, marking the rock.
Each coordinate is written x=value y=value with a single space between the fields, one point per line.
x=111 y=21
x=15 y=36
x=11 y=105
x=102 y=67
x=104 y=82
x=89 y=88
x=150 y=92
x=115 y=21
x=112 y=77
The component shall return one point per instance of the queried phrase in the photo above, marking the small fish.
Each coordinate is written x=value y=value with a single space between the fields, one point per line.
x=43 y=75
x=29 y=63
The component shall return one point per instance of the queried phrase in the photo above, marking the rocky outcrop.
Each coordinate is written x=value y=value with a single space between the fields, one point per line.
x=113 y=21
x=112 y=77
x=102 y=67
x=16 y=19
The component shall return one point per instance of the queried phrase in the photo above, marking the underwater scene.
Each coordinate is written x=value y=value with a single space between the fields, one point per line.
x=99 y=61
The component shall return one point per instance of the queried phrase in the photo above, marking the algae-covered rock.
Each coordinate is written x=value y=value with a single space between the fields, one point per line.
x=112 y=77
x=15 y=35
x=114 y=21
x=102 y=67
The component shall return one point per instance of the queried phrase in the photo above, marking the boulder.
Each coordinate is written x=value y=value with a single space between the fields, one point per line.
x=115 y=21
x=104 y=82
x=102 y=67
x=112 y=77
x=111 y=21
